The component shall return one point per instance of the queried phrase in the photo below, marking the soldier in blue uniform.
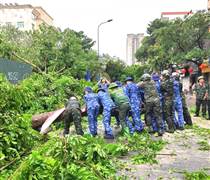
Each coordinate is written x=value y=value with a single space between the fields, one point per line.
x=107 y=104
x=103 y=83
x=92 y=105
x=132 y=91
x=179 y=122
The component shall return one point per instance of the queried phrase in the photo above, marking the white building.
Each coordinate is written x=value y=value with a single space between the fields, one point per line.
x=25 y=17
x=134 y=41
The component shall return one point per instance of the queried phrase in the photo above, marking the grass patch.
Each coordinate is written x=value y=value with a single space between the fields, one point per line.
x=204 y=145
x=197 y=175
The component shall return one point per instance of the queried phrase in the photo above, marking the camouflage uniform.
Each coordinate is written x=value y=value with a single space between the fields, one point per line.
x=153 y=109
x=72 y=114
x=200 y=91
x=132 y=91
x=186 y=114
x=208 y=101
x=107 y=104
x=157 y=81
x=123 y=107
x=167 y=91
x=91 y=100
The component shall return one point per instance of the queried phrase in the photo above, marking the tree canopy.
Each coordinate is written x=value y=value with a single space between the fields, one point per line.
x=50 y=50
x=174 y=41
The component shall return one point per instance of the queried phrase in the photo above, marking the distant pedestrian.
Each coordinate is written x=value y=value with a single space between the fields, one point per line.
x=201 y=91
x=208 y=101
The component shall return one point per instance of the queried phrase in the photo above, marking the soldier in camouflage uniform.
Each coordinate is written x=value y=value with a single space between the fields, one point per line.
x=208 y=101
x=72 y=114
x=153 y=109
x=106 y=102
x=186 y=114
x=167 y=91
x=122 y=102
x=132 y=91
x=156 y=79
x=201 y=91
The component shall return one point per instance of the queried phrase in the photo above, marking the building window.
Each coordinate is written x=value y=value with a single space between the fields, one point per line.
x=20 y=24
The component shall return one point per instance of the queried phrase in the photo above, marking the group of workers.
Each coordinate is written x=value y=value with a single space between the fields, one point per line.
x=160 y=97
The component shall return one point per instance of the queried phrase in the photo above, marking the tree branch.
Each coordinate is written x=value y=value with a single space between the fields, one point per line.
x=28 y=62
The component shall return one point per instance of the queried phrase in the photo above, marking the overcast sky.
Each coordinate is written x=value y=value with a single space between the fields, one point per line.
x=129 y=16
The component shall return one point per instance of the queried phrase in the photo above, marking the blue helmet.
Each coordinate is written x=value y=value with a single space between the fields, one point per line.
x=88 y=89
x=155 y=77
x=118 y=83
x=128 y=79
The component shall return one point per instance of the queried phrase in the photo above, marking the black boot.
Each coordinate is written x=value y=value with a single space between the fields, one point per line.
x=150 y=129
x=108 y=136
x=160 y=132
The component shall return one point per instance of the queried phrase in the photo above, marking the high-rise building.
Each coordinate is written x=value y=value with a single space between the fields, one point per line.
x=134 y=41
x=24 y=17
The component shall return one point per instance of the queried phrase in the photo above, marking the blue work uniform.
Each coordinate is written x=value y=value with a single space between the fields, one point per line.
x=179 y=121
x=92 y=104
x=132 y=91
x=107 y=104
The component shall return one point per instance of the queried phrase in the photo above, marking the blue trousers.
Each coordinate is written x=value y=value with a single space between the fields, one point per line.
x=106 y=121
x=135 y=109
x=92 y=119
x=179 y=110
x=130 y=125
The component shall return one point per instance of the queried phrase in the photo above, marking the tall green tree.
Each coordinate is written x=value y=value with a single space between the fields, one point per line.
x=175 y=41
x=50 y=50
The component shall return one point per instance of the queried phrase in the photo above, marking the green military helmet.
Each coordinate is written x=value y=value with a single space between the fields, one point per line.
x=146 y=77
x=200 y=77
x=165 y=73
x=113 y=85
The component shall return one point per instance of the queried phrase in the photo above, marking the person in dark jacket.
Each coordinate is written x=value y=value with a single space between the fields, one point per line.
x=72 y=114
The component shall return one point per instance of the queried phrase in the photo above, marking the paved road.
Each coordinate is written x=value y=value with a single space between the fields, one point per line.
x=181 y=153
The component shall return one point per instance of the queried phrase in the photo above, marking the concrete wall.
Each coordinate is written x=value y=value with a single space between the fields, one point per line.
x=43 y=18
x=25 y=17
x=15 y=16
